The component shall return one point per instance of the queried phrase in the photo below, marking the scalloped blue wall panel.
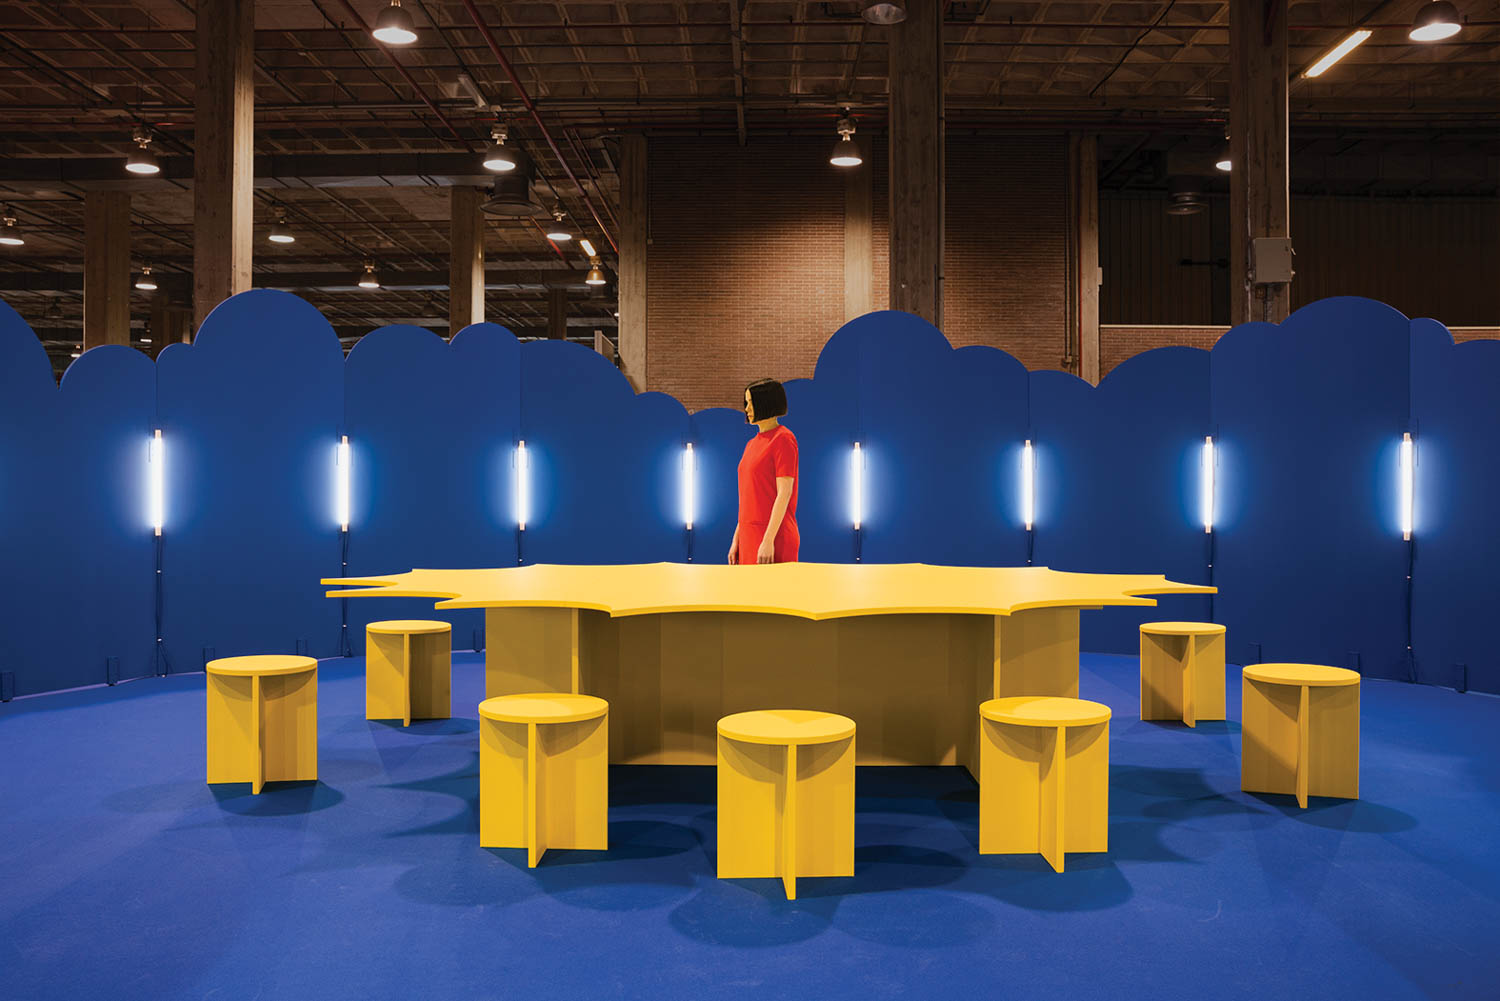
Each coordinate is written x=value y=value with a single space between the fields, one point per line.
x=938 y=428
x=1118 y=482
x=431 y=427
x=606 y=464
x=1457 y=432
x=1310 y=562
x=251 y=412
x=719 y=438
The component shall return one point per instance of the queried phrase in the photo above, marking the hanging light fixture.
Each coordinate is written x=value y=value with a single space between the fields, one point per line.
x=142 y=161
x=145 y=282
x=1435 y=22
x=557 y=232
x=10 y=235
x=1185 y=196
x=1222 y=160
x=498 y=157
x=846 y=151
x=596 y=274
x=395 y=26
x=279 y=231
x=368 y=279
x=883 y=11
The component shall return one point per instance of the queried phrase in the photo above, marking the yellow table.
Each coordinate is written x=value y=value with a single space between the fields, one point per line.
x=1300 y=733
x=786 y=795
x=408 y=670
x=908 y=650
x=1182 y=671
x=543 y=772
x=1044 y=777
x=262 y=720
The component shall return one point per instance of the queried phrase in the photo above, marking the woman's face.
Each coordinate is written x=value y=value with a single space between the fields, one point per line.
x=749 y=409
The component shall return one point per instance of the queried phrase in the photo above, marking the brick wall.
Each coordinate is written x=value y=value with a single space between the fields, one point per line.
x=1005 y=267
x=745 y=264
x=1119 y=342
x=744 y=273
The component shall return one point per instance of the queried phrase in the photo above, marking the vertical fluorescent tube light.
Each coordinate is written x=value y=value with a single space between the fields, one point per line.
x=156 y=458
x=1207 y=479
x=1028 y=484
x=523 y=484
x=1408 y=485
x=341 y=460
x=689 y=485
x=857 y=486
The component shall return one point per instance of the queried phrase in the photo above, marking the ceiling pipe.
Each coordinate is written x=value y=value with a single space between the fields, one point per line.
x=489 y=38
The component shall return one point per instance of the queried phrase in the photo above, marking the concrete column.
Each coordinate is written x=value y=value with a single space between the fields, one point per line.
x=634 y=238
x=917 y=161
x=859 y=249
x=1083 y=181
x=557 y=313
x=466 y=258
x=1258 y=198
x=106 y=268
x=223 y=167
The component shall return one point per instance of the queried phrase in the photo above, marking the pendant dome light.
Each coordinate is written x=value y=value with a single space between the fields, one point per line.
x=1435 y=22
x=1222 y=158
x=596 y=274
x=883 y=11
x=142 y=161
x=499 y=158
x=557 y=232
x=279 y=231
x=846 y=152
x=10 y=235
x=145 y=282
x=395 y=26
x=368 y=279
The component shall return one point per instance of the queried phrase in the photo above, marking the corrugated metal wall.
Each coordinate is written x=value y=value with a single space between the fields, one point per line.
x=1427 y=257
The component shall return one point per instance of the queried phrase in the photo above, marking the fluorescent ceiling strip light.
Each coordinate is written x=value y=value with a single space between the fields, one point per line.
x=1338 y=52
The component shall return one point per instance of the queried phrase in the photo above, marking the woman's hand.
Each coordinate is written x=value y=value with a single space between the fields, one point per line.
x=734 y=551
x=767 y=552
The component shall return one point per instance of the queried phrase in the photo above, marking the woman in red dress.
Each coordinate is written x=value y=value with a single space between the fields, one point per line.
x=766 y=531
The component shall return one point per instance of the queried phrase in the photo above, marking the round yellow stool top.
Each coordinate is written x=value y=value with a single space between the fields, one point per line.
x=262 y=664
x=543 y=707
x=786 y=726
x=401 y=627
x=1044 y=710
x=1182 y=628
x=1315 y=675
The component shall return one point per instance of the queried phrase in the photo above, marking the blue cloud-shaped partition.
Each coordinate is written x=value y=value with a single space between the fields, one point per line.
x=1307 y=415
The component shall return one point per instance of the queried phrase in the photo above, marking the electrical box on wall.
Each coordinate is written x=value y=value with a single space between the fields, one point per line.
x=1271 y=260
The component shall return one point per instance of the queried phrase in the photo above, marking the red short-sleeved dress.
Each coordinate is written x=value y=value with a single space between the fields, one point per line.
x=768 y=455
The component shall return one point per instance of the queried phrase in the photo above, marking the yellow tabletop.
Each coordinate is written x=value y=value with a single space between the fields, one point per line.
x=1036 y=710
x=1181 y=628
x=808 y=590
x=786 y=726
x=1314 y=675
x=543 y=707
x=262 y=664
x=401 y=627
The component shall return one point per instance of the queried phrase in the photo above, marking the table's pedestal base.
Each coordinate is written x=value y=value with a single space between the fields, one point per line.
x=912 y=682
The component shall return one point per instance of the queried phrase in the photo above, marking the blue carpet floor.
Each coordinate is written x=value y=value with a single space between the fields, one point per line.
x=125 y=876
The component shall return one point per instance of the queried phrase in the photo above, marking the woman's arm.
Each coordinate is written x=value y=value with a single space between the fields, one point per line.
x=767 y=552
x=734 y=545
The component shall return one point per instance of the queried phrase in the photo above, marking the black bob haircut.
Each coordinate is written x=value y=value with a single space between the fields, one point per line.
x=767 y=399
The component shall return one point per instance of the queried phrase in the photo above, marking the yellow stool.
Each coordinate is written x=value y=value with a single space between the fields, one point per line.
x=1300 y=733
x=1043 y=777
x=1182 y=671
x=262 y=720
x=543 y=772
x=408 y=670
x=781 y=812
